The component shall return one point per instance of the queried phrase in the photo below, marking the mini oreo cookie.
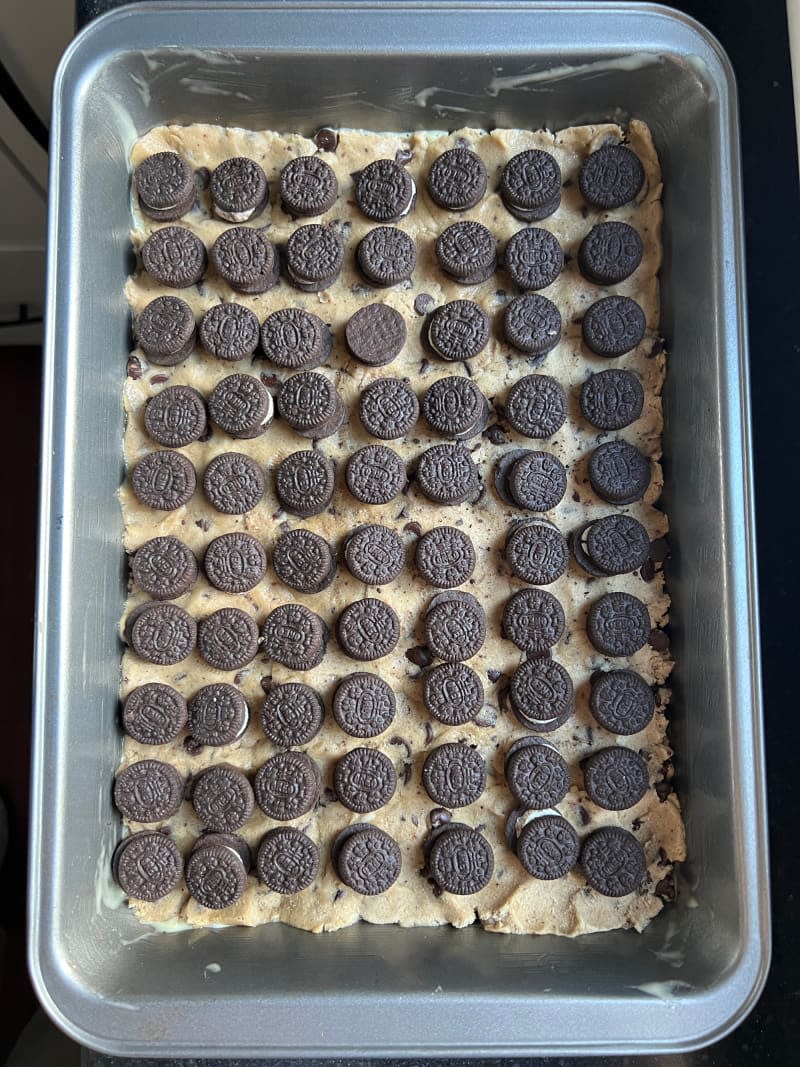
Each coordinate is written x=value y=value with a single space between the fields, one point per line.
x=613 y=326
x=165 y=186
x=292 y=714
x=617 y=544
x=227 y=639
x=176 y=416
x=366 y=859
x=385 y=191
x=533 y=257
x=454 y=775
x=222 y=798
x=537 y=406
x=375 y=474
x=445 y=557
x=162 y=633
x=287 y=860
x=308 y=187
x=364 y=705
x=447 y=474
x=241 y=406
x=295 y=636
x=388 y=408
x=610 y=253
x=218 y=715
x=287 y=786
x=615 y=778
x=147 y=865
x=467 y=252
x=163 y=480
x=453 y=693
x=537 y=481
x=164 y=567
x=530 y=185
x=460 y=860
x=532 y=325
x=457 y=179
x=611 y=176
x=548 y=847
x=368 y=629
x=295 y=339
x=215 y=876
x=459 y=330
x=534 y=620
x=239 y=189
x=619 y=473
x=314 y=257
x=233 y=483
x=374 y=554
x=303 y=560
x=386 y=256
x=304 y=483
x=618 y=624
x=621 y=701
x=536 y=551
x=613 y=861
x=154 y=714
x=456 y=408
x=542 y=695
x=375 y=335
x=235 y=562
x=455 y=626
x=536 y=773
x=246 y=260
x=165 y=331
x=175 y=257
x=229 y=331
x=310 y=404
x=612 y=399
x=148 y=791
x=364 y=780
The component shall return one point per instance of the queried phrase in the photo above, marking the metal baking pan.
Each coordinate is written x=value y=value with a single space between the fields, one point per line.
x=275 y=991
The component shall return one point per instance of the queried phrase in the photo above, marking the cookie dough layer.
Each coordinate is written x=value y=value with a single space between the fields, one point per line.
x=512 y=902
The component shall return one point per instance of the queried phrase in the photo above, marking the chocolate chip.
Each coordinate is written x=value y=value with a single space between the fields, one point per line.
x=447 y=474
x=459 y=330
x=368 y=629
x=615 y=778
x=164 y=567
x=537 y=406
x=445 y=557
x=530 y=185
x=229 y=331
x=420 y=656
x=311 y=405
x=534 y=620
x=612 y=399
x=453 y=693
x=314 y=257
x=537 y=481
x=364 y=705
x=455 y=407
x=386 y=256
x=610 y=253
x=366 y=859
x=235 y=562
x=618 y=624
x=287 y=786
x=304 y=483
x=658 y=640
x=215 y=876
x=466 y=251
x=611 y=176
x=542 y=695
x=460 y=860
x=326 y=139
x=222 y=798
x=374 y=554
x=617 y=544
x=147 y=865
x=148 y=791
x=133 y=368
x=292 y=714
x=364 y=780
x=308 y=187
x=536 y=773
x=619 y=473
x=287 y=860
x=233 y=483
x=455 y=626
x=533 y=257
x=239 y=189
x=165 y=331
x=613 y=326
x=218 y=714
x=162 y=634
x=163 y=480
x=388 y=408
x=384 y=191
x=375 y=474
x=548 y=847
x=497 y=435
x=154 y=714
x=454 y=775
x=295 y=339
x=165 y=186
x=303 y=561
x=295 y=636
x=532 y=324
x=613 y=861
x=227 y=639
x=536 y=552
x=375 y=335
x=176 y=416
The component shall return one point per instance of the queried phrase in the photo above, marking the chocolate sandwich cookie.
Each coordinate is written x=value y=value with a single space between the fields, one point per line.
x=613 y=861
x=445 y=557
x=612 y=399
x=304 y=483
x=467 y=252
x=364 y=780
x=457 y=179
x=375 y=335
x=215 y=875
x=533 y=258
x=610 y=253
x=452 y=693
x=239 y=189
x=460 y=859
x=233 y=483
x=310 y=404
x=227 y=639
x=364 y=705
x=176 y=416
x=308 y=187
x=148 y=791
x=386 y=256
x=237 y=844
x=618 y=624
x=294 y=636
x=162 y=634
x=303 y=560
x=615 y=778
x=611 y=176
x=218 y=715
x=456 y=408
x=454 y=775
x=530 y=185
x=536 y=551
x=164 y=567
x=388 y=408
x=621 y=701
x=366 y=859
x=235 y=562
x=287 y=860
x=548 y=847
x=292 y=714
x=537 y=481
x=502 y=469
x=241 y=406
x=617 y=544
x=229 y=331
x=147 y=865
x=536 y=773
x=154 y=714
x=542 y=695
x=222 y=798
x=368 y=629
x=537 y=406
x=375 y=474
x=534 y=620
x=455 y=626
x=295 y=339
x=532 y=325
x=165 y=331
x=459 y=330
x=385 y=191
x=374 y=554
x=165 y=186
x=173 y=256
x=447 y=474
x=246 y=260
x=163 y=480
x=287 y=786
x=314 y=257
x=619 y=473
x=613 y=326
